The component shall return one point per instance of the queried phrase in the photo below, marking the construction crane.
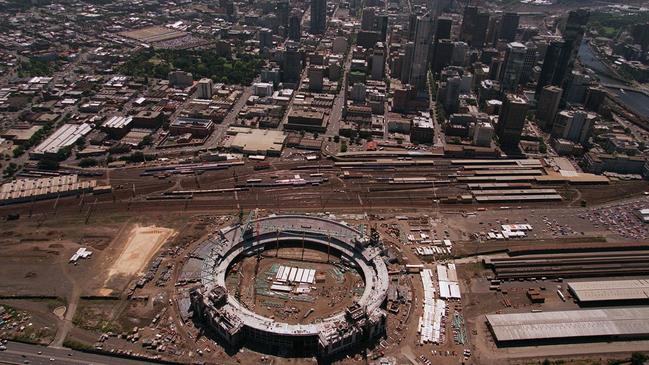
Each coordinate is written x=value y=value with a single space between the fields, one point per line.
x=246 y=226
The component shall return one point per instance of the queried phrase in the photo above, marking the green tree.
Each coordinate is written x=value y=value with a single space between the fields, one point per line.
x=638 y=358
x=48 y=164
x=343 y=147
x=63 y=153
x=10 y=170
x=81 y=143
x=18 y=151
x=146 y=141
x=88 y=162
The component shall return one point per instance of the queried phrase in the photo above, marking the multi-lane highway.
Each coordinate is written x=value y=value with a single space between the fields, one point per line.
x=19 y=353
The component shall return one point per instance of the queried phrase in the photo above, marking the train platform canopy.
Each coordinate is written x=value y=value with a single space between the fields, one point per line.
x=571 y=324
x=610 y=290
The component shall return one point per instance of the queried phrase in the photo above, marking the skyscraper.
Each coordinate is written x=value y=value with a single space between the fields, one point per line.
x=381 y=25
x=508 y=27
x=512 y=66
x=294 y=26
x=558 y=63
x=480 y=27
x=511 y=120
x=548 y=69
x=443 y=54
x=547 y=106
x=367 y=19
x=474 y=26
x=443 y=28
x=318 y=16
x=423 y=40
x=406 y=67
x=412 y=25
x=468 y=21
x=574 y=125
x=371 y=21
x=530 y=62
x=493 y=31
x=572 y=36
x=292 y=65
x=378 y=62
x=442 y=31
x=265 y=38
x=283 y=11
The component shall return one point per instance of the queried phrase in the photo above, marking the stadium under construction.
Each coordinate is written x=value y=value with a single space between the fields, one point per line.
x=236 y=325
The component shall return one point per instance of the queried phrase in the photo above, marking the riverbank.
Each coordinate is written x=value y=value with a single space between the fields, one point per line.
x=633 y=99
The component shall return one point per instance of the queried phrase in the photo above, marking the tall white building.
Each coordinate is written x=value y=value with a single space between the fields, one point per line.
x=574 y=125
x=423 y=39
x=204 y=89
x=262 y=89
x=483 y=133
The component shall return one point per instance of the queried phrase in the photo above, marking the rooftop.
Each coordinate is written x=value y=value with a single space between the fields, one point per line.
x=570 y=324
x=251 y=140
x=609 y=290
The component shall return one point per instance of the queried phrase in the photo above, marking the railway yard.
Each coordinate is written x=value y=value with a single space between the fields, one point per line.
x=454 y=262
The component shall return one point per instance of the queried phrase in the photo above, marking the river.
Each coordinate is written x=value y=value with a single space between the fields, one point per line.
x=635 y=101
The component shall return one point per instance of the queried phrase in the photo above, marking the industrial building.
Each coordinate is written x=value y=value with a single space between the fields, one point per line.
x=117 y=126
x=586 y=263
x=256 y=141
x=25 y=190
x=610 y=291
x=63 y=137
x=570 y=326
x=236 y=325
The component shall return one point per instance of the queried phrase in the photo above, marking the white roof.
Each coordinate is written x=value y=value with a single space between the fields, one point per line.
x=117 y=122
x=65 y=136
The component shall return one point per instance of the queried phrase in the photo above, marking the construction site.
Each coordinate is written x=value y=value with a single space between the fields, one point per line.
x=355 y=260
x=360 y=321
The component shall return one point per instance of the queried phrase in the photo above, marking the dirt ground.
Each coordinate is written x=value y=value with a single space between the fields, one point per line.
x=142 y=243
x=330 y=296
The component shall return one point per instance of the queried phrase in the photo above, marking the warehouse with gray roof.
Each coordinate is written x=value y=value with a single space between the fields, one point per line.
x=570 y=326
x=610 y=291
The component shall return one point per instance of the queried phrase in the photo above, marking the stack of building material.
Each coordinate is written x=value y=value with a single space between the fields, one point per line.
x=295 y=275
x=449 y=287
x=426 y=320
x=82 y=253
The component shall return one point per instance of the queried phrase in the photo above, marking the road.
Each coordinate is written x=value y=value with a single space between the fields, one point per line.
x=18 y=353
x=73 y=301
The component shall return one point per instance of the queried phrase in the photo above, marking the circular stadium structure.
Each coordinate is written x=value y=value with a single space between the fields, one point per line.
x=237 y=325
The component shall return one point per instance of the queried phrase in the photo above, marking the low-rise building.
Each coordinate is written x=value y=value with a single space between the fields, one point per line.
x=64 y=137
x=308 y=120
x=198 y=128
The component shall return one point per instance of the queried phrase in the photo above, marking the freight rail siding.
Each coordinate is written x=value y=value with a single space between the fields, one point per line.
x=572 y=265
x=188 y=168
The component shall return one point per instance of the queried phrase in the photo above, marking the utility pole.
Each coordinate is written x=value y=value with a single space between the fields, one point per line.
x=328 y=246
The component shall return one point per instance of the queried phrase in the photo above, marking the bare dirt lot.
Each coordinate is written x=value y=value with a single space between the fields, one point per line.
x=141 y=244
